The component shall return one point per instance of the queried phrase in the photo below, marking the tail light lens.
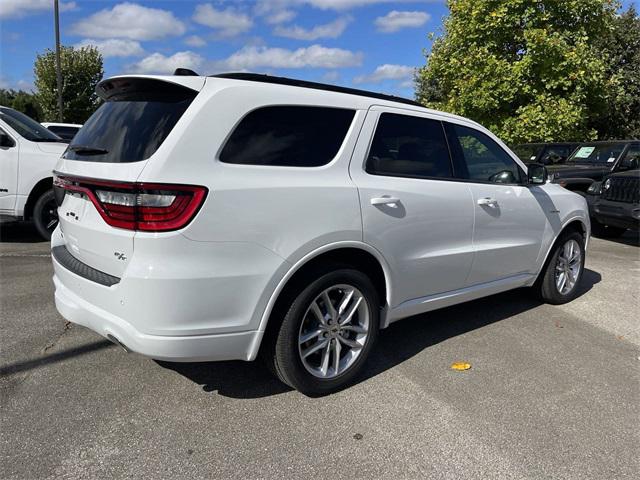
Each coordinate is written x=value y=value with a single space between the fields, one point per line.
x=147 y=207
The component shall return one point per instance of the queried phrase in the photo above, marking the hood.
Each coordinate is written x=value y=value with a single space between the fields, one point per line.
x=52 y=147
x=569 y=170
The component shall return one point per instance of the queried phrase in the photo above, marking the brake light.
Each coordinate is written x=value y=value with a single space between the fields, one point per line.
x=148 y=207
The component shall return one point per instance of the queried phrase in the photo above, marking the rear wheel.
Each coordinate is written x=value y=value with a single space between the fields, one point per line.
x=561 y=277
x=45 y=214
x=327 y=333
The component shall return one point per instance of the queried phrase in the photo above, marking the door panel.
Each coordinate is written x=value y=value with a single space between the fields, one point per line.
x=508 y=233
x=509 y=220
x=422 y=226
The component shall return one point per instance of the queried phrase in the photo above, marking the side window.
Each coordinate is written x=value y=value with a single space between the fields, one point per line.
x=631 y=160
x=480 y=158
x=408 y=146
x=289 y=136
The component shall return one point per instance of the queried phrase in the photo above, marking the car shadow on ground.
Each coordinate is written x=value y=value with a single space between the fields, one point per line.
x=628 y=238
x=396 y=344
x=19 y=232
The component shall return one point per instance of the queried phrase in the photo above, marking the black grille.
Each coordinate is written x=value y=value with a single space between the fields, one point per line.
x=622 y=189
x=71 y=263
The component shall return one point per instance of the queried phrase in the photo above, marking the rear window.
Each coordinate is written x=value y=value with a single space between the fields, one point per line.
x=288 y=136
x=132 y=123
x=66 y=133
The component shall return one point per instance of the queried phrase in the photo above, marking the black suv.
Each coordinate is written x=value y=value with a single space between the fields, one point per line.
x=615 y=205
x=545 y=153
x=593 y=161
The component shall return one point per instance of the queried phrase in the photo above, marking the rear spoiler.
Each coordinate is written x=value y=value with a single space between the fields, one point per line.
x=149 y=86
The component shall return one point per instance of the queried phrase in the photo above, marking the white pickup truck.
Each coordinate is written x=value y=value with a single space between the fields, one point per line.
x=28 y=153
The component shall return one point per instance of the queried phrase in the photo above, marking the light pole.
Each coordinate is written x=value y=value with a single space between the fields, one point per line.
x=58 y=70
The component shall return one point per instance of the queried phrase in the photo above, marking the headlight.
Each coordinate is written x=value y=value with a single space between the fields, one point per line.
x=595 y=188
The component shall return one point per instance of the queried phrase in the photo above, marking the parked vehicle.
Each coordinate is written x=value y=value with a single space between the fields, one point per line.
x=592 y=161
x=545 y=153
x=213 y=218
x=66 y=131
x=28 y=153
x=614 y=204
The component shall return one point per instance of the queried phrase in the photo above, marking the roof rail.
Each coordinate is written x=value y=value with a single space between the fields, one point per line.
x=258 y=77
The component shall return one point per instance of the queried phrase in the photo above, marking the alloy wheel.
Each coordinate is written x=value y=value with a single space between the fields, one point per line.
x=568 y=267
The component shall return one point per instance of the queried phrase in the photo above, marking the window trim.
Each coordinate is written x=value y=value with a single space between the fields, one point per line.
x=399 y=175
x=337 y=156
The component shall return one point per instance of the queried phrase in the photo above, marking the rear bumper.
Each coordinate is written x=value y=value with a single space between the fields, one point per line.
x=201 y=304
x=192 y=348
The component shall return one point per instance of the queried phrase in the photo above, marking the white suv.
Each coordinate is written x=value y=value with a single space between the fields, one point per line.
x=216 y=218
x=28 y=153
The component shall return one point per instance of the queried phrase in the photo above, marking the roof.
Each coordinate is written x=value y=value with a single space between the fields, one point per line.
x=258 y=77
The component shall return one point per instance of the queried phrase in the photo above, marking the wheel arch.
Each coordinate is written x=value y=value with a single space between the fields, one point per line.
x=575 y=224
x=37 y=190
x=358 y=254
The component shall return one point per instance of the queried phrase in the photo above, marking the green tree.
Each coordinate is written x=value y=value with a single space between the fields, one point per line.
x=22 y=101
x=81 y=71
x=622 y=48
x=527 y=69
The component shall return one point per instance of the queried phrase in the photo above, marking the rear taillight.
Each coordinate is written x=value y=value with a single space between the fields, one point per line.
x=149 y=207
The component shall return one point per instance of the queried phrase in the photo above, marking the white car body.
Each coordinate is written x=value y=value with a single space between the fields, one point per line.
x=206 y=291
x=26 y=172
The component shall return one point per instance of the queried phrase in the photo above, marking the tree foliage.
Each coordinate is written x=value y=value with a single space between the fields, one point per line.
x=81 y=71
x=530 y=70
x=621 y=46
x=22 y=101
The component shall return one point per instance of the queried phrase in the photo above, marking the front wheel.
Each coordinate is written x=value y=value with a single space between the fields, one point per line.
x=562 y=273
x=45 y=214
x=327 y=333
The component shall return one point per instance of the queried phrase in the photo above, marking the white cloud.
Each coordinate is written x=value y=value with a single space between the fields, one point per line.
x=315 y=56
x=264 y=6
x=328 y=30
x=227 y=23
x=22 y=8
x=195 y=41
x=114 y=47
x=330 y=76
x=395 y=20
x=389 y=72
x=129 y=20
x=157 y=63
x=280 y=16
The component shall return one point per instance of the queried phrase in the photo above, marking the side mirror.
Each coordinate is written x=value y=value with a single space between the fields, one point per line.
x=6 y=141
x=536 y=174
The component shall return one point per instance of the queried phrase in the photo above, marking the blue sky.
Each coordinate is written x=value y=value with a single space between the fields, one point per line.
x=371 y=44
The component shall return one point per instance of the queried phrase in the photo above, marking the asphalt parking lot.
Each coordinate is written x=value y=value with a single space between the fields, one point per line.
x=553 y=392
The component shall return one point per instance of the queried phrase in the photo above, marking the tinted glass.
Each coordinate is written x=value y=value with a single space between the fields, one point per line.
x=66 y=133
x=131 y=127
x=631 y=160
x=556 y=154
x=599 y=153
x=409 y=147
x=26 y=126
x=527 y=153
x=288 y=136
x=480 y=158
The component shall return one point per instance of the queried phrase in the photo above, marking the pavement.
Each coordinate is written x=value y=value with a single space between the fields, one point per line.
x=553 y=392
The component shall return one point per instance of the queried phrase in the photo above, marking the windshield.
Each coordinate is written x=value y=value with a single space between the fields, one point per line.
x=601 y=153
x=527 y=153
x=27 y=127
x=131 y=126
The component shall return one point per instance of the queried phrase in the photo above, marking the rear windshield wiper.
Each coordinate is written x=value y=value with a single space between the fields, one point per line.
x=87 y=150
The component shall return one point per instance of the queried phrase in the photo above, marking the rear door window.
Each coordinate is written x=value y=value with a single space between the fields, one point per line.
x=408 y=146
x=132 y=123
x=291 y=136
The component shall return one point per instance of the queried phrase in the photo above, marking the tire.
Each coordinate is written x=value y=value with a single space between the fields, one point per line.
x=316 y=373
x=605 y=231
x=45 y=214
x=549 y=286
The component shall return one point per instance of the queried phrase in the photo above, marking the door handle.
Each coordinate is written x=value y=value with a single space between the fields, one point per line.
x=488 y=202
x=384 y=200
